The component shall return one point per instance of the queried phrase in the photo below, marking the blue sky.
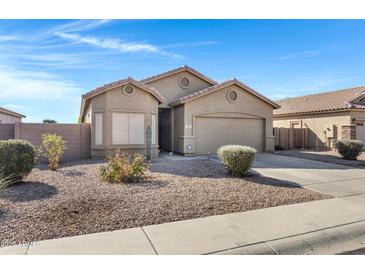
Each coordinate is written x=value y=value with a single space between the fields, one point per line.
x=45 y=65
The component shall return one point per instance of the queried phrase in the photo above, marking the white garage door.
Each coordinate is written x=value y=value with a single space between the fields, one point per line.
x=211 y=133
x=360 y=133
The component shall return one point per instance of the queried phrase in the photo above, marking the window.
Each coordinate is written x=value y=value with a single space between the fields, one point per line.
x=184 y=82
x=127 y=128
x=98 y=128
x=119 y=128
x=153 y=129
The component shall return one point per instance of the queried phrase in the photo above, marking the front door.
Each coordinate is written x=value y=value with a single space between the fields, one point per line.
x=165 y=129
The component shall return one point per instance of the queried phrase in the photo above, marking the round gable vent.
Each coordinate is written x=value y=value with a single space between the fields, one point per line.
x=128 y=90
x=184 y=82
x=232 y=96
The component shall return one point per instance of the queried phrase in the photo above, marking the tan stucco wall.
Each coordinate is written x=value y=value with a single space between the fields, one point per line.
x=246 y=106
x=360 y=130
x=116 y=101
x=169 y=86
x=87 y=118
x=358 y=114
x=321 y=126
x=8 y=119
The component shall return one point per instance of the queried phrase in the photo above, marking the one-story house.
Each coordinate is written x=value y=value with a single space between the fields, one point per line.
x=188 y=112
x=10 y=117
x=329 y=116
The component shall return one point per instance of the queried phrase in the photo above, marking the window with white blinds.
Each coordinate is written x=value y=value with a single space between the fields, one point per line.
x=98 y=128
x=153 y=128
x=127 y=128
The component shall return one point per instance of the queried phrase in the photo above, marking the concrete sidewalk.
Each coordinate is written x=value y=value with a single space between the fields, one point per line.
x=321 y=227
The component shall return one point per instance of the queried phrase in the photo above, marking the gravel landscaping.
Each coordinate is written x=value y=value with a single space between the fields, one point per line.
x=73 y=200
x=330 y=156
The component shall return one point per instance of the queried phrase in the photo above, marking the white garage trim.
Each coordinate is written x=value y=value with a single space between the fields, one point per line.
x=360 y=133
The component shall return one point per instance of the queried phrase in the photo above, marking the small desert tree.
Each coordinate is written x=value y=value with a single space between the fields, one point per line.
x=49 y=121
x=53 y=146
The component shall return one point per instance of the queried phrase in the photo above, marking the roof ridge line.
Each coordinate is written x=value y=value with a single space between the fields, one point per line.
x=322 y=92
x=176 y=70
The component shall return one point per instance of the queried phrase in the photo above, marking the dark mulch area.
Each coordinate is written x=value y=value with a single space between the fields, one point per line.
x=73 y=200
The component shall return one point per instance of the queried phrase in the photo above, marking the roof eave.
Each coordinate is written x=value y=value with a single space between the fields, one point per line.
x=12 y=113
x=313 y=112
x=224 y=85
x=177 y=70
x=131 y=81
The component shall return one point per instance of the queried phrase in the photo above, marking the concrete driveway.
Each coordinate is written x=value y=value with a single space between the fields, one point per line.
x=335 y=180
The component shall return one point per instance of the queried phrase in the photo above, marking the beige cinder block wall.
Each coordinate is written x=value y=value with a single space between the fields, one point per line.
x=321 y=126
x=116 y=101
x=216 y=102
x=77 y=137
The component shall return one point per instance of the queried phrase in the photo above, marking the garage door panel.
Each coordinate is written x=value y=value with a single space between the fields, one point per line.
x=211 y=133
x=360 y=133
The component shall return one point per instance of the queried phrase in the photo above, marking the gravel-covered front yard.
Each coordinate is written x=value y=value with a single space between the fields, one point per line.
x=74 y=201
x=329 y=156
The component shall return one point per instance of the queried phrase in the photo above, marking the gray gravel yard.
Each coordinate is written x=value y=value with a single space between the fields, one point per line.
x=74 y=201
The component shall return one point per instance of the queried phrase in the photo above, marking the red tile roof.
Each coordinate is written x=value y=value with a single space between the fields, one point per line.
x=321 y=102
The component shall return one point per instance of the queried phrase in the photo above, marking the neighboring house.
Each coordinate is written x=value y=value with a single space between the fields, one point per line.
x=329 y=116
x=188 y=112
x=10 y=117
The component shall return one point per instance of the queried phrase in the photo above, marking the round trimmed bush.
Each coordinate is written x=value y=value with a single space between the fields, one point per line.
x=236 y=158
x=16 y=159
x=349 y=149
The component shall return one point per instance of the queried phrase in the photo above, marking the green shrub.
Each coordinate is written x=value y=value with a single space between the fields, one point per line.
x=16 y=159
x=123 y=167
x=237 y=159
x=349 y=149
x=4 y=182
x=52 y=148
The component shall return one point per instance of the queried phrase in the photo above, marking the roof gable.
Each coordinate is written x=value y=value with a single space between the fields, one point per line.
x=116 y=84
x=321 y=102
x=11 y=113
x=178 y=70
x=215 y=88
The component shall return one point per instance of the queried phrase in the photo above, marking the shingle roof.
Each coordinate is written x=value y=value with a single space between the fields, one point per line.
x=321 y=102
x=11 y=113
x=212 y=89
x=177 y=70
